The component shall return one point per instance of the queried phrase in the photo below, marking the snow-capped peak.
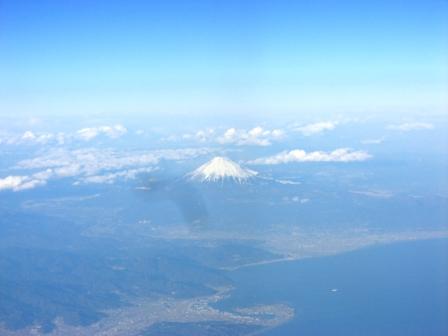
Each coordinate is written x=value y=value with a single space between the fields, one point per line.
x=220 y=168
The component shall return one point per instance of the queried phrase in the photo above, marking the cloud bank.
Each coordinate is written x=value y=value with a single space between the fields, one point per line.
x=43 y=138
x=91 y=166
x=316 y=128
x=299 y=155
x=257 y=136
x=411 y=126
x=112 y=132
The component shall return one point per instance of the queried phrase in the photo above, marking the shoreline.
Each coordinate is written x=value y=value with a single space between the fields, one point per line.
x=427 y=235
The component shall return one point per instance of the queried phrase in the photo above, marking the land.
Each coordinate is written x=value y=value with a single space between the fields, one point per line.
x=142 y=314
x=96 y=265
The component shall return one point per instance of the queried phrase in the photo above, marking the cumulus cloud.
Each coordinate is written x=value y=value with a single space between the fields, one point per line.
x=18 y=183
x=91 y=133
x=111 y=178
x=257 y=136
x=11 y=182
x=410 y=126
x=30 y=137
x=92 y=165
x=316 y=128
x=204 y=135
x=299 y=155
x=93 y=160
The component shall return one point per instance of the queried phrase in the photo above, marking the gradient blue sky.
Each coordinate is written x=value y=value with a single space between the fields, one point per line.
x=111 y=58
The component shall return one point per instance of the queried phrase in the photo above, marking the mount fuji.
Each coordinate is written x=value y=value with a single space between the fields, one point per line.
x=219 y=169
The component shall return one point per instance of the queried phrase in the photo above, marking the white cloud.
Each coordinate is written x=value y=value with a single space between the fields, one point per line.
x=17 y=183
x=31 y=184
x=28 y=135
x=31 y=138
x=72 y=169
x=92 y=159
x=11 y=182
x=287 y=182
x=90 y=133
x=295 y=199
x=298 y=155
x=43 y=138
x=410 y=126
x=316 y=128
x=257 y=136
x=44 y=175
x=92 y=165
x=204 y=135
x=229 y=136
x=129 y=174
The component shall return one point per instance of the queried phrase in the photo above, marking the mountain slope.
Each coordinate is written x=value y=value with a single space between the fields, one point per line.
x=220 y=168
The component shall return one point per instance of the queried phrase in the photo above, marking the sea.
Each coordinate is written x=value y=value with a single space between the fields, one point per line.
x=399 y=289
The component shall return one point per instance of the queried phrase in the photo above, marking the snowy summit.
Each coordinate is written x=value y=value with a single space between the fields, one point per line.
x=221 y=168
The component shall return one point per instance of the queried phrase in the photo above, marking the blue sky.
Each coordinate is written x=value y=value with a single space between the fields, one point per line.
x=156 y=58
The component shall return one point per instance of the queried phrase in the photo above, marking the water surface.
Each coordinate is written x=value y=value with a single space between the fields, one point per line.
x=399 y=289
